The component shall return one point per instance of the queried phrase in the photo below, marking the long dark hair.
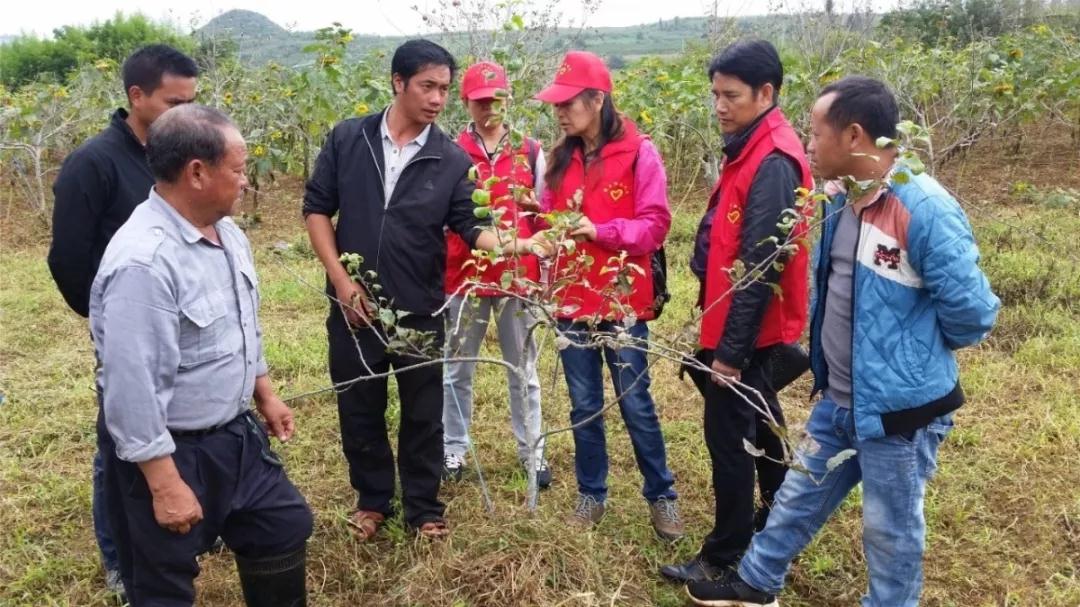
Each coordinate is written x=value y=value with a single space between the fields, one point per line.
x=611 y=128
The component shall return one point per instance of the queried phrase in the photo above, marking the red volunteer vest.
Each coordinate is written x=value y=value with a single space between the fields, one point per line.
x=608 y=193
x=786 y=316
x=513 y=170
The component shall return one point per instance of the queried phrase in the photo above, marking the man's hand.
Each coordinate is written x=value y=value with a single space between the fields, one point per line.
x=175 y=506
x=585 y=229
x=278 y=416
x=720 y=368
x=354 y=302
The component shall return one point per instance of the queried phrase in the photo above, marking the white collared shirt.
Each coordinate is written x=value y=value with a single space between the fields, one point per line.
x=396 y=158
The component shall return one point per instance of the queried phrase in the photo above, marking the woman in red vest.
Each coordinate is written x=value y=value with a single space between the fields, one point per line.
x=487 y=142
x=742 y=325
x=613 y=177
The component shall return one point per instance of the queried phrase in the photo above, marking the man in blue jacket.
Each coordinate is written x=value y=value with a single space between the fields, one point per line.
x=897 y=291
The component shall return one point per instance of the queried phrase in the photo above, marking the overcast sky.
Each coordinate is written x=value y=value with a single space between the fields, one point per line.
x=387 y=17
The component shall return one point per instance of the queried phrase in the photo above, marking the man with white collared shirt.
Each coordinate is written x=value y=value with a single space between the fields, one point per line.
x=393 y=180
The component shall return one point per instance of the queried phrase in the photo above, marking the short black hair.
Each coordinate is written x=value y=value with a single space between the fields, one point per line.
x=185 y=133
x=863 y=101
x=415 y=55
x=146 y=66
x=755 y=62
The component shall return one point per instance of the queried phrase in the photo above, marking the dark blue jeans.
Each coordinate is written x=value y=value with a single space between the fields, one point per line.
x=102 y=528
x=584 y=368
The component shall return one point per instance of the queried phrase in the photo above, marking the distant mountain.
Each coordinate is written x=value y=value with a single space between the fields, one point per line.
x=260 y=40
x=244 y=23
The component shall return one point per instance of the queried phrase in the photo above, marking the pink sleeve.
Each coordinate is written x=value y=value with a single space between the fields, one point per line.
x=646 y=231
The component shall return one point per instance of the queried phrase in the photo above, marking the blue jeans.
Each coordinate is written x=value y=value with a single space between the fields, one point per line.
x=102 y=528
x=584 y=368
x=894 y=471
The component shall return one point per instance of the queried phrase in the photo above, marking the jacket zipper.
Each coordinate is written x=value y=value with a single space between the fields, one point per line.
x=386 y=199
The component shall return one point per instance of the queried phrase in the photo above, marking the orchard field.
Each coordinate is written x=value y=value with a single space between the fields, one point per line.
x=1003 y=110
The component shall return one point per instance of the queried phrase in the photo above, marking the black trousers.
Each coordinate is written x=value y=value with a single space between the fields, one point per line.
x=362 y=414
x=729 y=420
x=245 y=497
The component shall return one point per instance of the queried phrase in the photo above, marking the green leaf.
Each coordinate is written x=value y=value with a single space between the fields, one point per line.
x=834 y=462
x=387 y=317
x=751 y=449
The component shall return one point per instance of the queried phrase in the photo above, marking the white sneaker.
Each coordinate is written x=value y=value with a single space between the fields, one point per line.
x=453 y=467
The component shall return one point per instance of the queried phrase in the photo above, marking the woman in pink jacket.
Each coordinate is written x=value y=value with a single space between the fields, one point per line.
x=606 y=170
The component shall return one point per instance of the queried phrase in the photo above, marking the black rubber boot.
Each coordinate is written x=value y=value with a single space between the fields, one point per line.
x=277 y=581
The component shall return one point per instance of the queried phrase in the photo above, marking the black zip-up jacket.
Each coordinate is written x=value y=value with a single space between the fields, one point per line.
x=98 y=187
x=401 y=239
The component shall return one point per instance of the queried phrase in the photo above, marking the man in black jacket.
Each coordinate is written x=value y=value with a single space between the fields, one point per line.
x=98 y=187
x=394 y=180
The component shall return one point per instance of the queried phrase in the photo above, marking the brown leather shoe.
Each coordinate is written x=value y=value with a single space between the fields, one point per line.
x=433 y=530
x=364 y=524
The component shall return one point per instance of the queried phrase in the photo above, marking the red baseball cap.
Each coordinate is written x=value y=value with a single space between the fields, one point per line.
x=580 y=70
x=482 y=80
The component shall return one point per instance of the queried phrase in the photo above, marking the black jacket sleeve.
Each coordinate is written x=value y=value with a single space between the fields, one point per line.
x=321 y=191
x=772 y=191
x=81 y=192
x=460 y=217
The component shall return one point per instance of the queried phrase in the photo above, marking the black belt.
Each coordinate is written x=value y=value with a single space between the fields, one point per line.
x=206 y=431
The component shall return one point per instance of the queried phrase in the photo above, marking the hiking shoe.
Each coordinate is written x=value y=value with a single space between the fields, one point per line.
x=729 y=591
x=665 y=519
x=543 y=472
x=453 y=467
x=587 y=512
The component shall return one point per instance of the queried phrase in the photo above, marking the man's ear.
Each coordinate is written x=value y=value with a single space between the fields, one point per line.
x=855 y=133
x=195 y=172
x=135 y=94
x=768 y=93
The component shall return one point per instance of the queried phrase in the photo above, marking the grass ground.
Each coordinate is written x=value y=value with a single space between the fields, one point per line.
x=1003 y=512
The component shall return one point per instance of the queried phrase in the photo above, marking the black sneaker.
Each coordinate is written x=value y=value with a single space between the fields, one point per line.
x=453 y=467
x=543 y=472
x=729 y=591
x=696 y=569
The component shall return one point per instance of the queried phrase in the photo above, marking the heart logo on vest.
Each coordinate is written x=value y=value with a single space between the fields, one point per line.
x=616 y=191
x=734 y=216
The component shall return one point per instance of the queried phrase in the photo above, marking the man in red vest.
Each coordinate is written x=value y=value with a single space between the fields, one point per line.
x=744 y=317
x=487 y=142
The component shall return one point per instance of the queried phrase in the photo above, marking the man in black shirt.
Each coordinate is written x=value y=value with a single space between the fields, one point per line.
x=98 y=187
x=394 y=180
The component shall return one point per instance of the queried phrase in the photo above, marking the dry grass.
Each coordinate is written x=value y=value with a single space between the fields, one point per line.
x=1004 y=512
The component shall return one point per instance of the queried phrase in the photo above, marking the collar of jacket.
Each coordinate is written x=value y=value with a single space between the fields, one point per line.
x=734 y=144
x=119 y=122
